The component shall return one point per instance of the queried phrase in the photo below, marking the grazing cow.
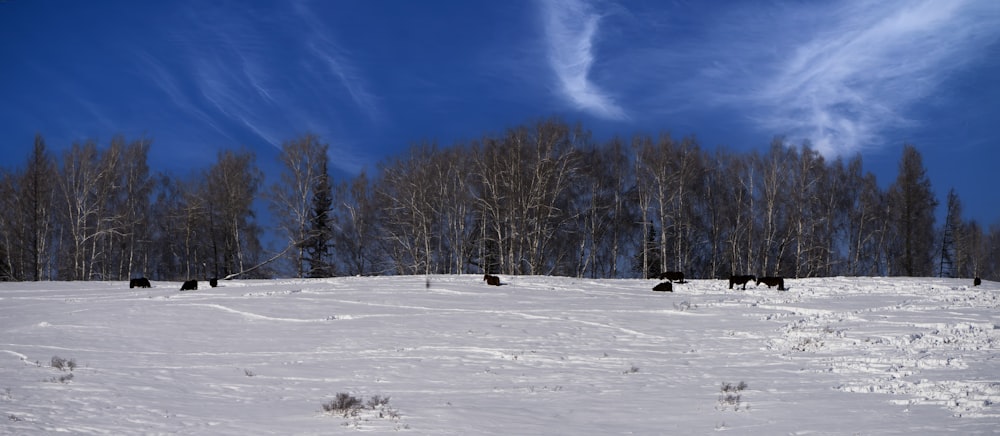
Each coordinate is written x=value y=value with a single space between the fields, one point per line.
x=772 y=281
x=673 y=276
x=213 y=282
x=140 y=282
x=491 y=280
x=190 y=285
x=664 y=287
x=740 y=280
x=976 y=282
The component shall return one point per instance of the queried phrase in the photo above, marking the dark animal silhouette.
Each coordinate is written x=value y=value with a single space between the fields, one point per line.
x=190 y=285
x=673 y=276
x=772 y=281
x=740 y=280
x=664 y=287
x=491 y=280
x=213 y=282
x=140 y=282
x=976 y=281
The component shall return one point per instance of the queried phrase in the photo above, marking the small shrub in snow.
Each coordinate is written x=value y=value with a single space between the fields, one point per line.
x=808 y=344
x=730 y=396
x=632 y=370
x=62 y=364
x=377 y=401
x=349 y=406
x=61 y=379
x=248 y=372
x=343 y=403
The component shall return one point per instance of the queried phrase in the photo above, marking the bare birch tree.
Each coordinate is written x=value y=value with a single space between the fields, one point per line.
x=230 y=188
x=78 y=179
x=290 y=198
x=355 y=223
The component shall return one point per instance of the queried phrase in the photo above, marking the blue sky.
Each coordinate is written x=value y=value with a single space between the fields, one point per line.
x=373 y=77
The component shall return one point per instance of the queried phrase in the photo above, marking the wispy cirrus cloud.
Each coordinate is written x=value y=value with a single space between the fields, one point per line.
x=846 y=76
x=167 y=83
x=233 y=93
x=336 y=62
x=272 y=74
x=842 y=75
x=570 y=27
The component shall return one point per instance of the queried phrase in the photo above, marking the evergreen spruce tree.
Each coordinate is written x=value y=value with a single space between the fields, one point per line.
x=36 y=202
x=949 y=234
x=651 y=249
x=319 y=244
x=912 y=204
x=4 y=262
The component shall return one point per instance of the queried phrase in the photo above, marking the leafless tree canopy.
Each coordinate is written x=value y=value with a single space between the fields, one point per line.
x=538 y=198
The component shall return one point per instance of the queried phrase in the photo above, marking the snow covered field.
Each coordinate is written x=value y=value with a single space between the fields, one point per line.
x=538 y=355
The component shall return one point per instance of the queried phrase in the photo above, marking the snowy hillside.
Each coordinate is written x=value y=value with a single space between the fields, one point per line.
x=538 y=355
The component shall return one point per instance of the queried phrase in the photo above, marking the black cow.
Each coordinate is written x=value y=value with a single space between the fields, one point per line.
x=772 y=281
x=140 y=282
x=213 y=282
x=673 y=276
x=740 y=280
x=190 y=285
x=491 y=280
x=664 y=287
x=976 y=281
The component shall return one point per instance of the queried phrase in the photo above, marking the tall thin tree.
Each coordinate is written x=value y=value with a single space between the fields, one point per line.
x=950 y=232
x=36 y=197
x=912 y=204
x=320 y=236
x=290 y=198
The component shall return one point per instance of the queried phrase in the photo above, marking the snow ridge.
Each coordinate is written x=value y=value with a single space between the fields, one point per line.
x=535 y=356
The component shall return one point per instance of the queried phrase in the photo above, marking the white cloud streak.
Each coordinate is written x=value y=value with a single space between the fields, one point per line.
x=570 y=29
x=855 y=70
x=847 y=76
x=348 y=77
x=272 y=85
x=337 y=62
x=225 y=91
x=168 y=84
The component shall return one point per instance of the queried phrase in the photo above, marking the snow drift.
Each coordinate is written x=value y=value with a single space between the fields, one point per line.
x=538 y=355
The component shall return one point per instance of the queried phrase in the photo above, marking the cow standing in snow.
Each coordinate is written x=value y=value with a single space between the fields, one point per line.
x=491 y=280
x=740 y=280
x=772 y=281
x=664 y=287
x=673 y=276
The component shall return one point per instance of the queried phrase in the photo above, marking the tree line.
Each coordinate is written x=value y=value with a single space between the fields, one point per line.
x=100 y=214
x=539 y=198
